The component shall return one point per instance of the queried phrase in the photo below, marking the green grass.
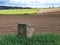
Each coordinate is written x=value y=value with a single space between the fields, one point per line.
x=38 y=39
x=19 y=11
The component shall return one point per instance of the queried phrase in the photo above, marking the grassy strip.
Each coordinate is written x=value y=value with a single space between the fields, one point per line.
x=39 y=39
x=19 y=11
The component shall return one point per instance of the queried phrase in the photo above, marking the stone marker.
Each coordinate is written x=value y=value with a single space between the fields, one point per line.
x=26 y=29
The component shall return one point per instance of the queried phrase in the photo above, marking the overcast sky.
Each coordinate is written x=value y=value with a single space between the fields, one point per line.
x=31 y=3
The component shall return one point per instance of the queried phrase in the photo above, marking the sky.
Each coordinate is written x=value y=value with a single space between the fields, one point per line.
x=30 y=3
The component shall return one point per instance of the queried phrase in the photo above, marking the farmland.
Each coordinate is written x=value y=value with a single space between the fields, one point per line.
x=46 y=21
x=19 y=11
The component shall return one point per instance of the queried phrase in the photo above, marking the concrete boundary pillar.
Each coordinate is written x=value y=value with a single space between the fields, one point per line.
x=26 y=29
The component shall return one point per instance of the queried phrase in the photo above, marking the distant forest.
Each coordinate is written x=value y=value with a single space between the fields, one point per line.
x=10 y=7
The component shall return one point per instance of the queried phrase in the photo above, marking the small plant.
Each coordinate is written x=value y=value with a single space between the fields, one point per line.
x=25 y=13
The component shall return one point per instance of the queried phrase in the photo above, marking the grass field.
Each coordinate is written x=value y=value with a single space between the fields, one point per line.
x=19 y=11
x=38 y=39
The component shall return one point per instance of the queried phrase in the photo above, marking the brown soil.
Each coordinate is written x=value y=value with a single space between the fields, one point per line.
x=47 y=22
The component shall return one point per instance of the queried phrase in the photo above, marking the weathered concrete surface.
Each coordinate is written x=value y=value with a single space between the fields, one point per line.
x=29 y=30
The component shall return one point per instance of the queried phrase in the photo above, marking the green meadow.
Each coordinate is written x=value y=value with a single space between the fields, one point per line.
x=19 y=11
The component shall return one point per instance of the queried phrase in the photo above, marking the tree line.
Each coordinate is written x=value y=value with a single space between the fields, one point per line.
x=10 y=7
